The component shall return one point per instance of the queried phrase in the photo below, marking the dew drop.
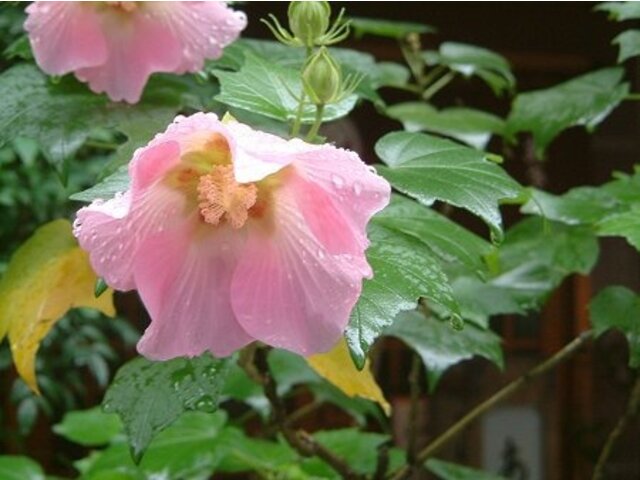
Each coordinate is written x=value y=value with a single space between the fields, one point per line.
x=206 y=404
x=357 y=188
x=337 y=181
x=320 y=254
x=372 y=169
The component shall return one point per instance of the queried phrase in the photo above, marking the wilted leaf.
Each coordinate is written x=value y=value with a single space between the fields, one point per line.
x=48 y=275
x=337 y=367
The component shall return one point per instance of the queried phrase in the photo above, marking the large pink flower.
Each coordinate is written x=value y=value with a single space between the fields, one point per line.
x=232 y=235
x=115 y=46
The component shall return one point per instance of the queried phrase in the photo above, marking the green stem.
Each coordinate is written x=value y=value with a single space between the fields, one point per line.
x=313 y=131
x=633 y=406
x=295 y=129
x=297 y=123
x=430 y=77
x=438 y=85
x=566 y=352
x=633 y=96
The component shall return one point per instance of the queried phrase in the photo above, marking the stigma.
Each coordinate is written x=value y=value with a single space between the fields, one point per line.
x=221 y=198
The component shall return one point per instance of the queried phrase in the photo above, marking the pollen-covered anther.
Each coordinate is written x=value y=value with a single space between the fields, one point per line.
x=125 y=6
x=221 y=197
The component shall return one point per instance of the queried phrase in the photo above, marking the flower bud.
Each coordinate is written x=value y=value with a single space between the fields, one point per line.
x=322 y=78
x=309 y=21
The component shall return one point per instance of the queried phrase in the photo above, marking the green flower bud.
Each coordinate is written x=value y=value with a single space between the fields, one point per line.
x=322 y=78
x=309 y=21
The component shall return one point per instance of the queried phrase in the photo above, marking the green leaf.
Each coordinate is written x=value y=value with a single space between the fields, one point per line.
x=55 y=115
x=583 y=101
x=440 y=346
x=625 y=188
x=470 y=60
x=116 y=183
x=445 y=238
x=534 y=258
x=404 y=270
x=61 y=116
x=625 y=225
x=451 y=471
x=480 y=300
x=582 y=205
x=19 y=48
x=242 y=453
x=387 y=28
x=19 y=468
x=629 y=43
x=90 y=427
x=429 y=168
x=390 y=74
x=139 y=132
x=374 y=75
x=191 y=448
x=620 y=10
x=266 y=88
x=618 y=308
x=470 y=126
x=150 y=396
x=537 y=255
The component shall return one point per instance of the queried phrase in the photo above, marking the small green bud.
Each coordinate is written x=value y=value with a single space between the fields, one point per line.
x=309 y=21
x=322 y=78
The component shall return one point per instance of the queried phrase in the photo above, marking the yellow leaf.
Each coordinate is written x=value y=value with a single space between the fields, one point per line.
x=48 y=275
x=337 y=367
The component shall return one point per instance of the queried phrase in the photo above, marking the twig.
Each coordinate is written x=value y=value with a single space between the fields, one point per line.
x=633 y=406
x=566 y=352
x=300 y=440
x=414 y=385
x=295 y=416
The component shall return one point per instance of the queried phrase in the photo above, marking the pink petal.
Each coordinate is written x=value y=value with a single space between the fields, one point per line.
x=257 y=154
x=65 y=36
x=203 y=29
x=288 y=290
x=184 y=282
x=112 y=231
x=353 y=193
x=137 y=46
x=189 y=132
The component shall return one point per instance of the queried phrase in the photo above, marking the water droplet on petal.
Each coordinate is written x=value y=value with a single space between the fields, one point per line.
x=357 y=188
x=337 y=181
x=372 y=169
x=320 y=254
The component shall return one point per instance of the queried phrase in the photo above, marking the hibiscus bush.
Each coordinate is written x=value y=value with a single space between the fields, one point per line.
x=152 y=148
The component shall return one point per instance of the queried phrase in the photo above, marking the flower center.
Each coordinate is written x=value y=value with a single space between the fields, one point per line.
x=219 y=195
x=124 y=6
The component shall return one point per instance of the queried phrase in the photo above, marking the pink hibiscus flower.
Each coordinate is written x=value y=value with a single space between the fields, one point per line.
x=232 y=235
x=115 y=46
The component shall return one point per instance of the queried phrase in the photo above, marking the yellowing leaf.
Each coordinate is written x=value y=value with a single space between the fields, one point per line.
x=48 y=275
x=337 y=367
